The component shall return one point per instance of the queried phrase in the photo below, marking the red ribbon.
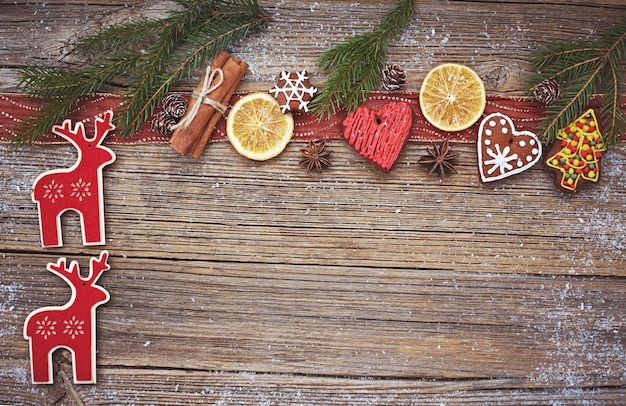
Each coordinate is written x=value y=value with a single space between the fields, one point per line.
x=525 y=113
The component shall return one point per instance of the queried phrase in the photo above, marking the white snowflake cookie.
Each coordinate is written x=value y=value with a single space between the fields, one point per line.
x=502 y=150
x=293 y=91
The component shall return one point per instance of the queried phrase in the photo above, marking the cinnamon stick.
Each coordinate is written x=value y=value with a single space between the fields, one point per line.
x=185 y=137
x=234 y=69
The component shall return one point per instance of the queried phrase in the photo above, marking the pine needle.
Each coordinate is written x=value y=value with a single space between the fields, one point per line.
x=583 y=69
x=356 y=64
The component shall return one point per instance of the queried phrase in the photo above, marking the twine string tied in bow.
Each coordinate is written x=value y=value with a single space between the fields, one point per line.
x=203 y=96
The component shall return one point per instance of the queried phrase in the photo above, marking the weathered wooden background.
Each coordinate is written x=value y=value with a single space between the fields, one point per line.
x=236 y=282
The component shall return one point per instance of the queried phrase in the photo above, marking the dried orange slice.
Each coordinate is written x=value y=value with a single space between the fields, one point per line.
x=257 y=128
x=452 y=97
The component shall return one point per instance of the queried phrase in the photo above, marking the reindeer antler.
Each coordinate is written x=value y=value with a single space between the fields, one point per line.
x=71 y=275
x=75 y=135
x=103 y=126
x=59 y=267
x=98 y=266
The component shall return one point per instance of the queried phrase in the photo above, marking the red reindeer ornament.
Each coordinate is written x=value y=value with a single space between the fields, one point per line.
x=77 y=188
x=72 y=326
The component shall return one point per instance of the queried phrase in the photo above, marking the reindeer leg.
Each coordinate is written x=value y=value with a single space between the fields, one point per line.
x=93 y=227
x=40 y=362
x=50 y=228
x=84 y=362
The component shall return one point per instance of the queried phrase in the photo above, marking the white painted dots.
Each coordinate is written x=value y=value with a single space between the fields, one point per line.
x=504 y=151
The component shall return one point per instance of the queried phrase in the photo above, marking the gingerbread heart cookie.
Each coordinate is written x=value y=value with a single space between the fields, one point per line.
x=379 y=136
x=502 y=150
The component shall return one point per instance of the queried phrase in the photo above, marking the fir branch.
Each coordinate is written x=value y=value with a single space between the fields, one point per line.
x=222 y=29
x=610 y=110
x=119 y=37
x=48 y=82
x=175 y=47
x=150 y=68
x=584 y=68
x=61 y=90
x=565 y=51
x=356 y=64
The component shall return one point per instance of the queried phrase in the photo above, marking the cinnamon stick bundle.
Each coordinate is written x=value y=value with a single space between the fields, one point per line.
x=191 y=139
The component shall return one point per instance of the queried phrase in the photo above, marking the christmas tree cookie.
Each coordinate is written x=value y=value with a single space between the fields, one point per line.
x=577 y=152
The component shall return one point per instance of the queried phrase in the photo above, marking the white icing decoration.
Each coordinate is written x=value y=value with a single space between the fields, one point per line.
x=501 y=159
x=504 y=161
x=294 y=90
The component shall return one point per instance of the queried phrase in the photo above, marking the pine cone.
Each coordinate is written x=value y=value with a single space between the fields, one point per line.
x=394 y=77
x=163 y=122
x=547 y=91
x=175 y=105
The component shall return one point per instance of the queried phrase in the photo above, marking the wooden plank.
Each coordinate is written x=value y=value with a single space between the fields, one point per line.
x=324 y=320
x=496 y=39
x=222 y=387
x=353 y=215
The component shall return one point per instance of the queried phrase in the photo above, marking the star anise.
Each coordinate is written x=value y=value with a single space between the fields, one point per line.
x=315 y=156
x=439 y=159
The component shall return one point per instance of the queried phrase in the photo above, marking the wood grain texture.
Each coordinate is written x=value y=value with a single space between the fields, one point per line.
x=236 y=282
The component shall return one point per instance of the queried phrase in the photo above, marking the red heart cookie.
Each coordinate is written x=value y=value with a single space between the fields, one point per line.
x=379 y=136
x=504 y=151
